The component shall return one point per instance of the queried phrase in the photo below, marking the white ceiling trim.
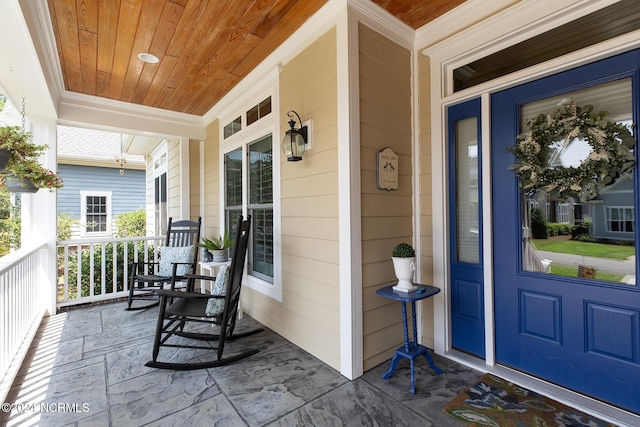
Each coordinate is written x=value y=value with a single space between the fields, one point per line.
x=112 y=115
x=380 y=20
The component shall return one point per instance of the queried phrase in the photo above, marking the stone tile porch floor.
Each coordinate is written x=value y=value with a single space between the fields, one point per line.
x=94 y=358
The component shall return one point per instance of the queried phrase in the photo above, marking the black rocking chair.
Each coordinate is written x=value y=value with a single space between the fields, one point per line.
x=177 y=308
x=178 y=257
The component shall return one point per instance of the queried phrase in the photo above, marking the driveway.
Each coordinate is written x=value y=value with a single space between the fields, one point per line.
x=626 y=268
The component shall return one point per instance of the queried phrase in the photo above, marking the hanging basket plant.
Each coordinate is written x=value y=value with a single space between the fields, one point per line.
x=23 y=165
x=18 y=185
x=611 y=152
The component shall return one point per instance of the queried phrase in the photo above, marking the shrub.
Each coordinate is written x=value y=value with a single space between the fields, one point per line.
x=9 y=223
x=538 y=224
x=557 y=229
x=65 y=221
x=580 y=230
x=98 y=253
x=131 y=224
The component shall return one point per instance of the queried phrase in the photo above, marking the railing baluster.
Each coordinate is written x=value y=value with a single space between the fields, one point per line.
x=79 y=278
x=67 y=296
x=22 y=310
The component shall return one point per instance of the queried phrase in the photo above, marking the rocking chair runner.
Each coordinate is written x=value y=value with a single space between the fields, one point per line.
x=177 y=308
x=178 y=257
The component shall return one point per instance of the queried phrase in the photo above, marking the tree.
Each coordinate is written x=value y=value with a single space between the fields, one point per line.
x=131 y=224
x=538 y=224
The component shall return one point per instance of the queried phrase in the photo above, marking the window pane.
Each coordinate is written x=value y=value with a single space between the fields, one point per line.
x=232 y=127
x=261 y=172
x=265 y=107
x=96 y=214
x=585 y=223
x=233 y=178
x=261 y=255
x=259 y=111
x=468 y=236
x=160 y=204
x=261 y=208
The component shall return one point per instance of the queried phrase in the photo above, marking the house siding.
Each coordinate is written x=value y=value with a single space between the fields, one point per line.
x=387 y=217
x=620 y=197
x=425 y=200
x=173 y=179
x=194 y=179
x=127 y=191
x=211 y=184
x=309 y=312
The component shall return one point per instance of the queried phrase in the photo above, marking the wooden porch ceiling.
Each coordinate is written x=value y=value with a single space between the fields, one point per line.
x=205 y=47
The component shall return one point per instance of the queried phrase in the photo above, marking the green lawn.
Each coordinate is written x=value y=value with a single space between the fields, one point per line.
x=572 y=271
x=598 y=250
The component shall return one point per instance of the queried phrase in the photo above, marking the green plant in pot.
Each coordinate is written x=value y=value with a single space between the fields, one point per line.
x=404 y=265
x=217 y=247
x=23 y=172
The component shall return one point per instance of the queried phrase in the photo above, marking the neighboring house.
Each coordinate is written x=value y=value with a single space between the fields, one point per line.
x=97 y=186
x=566 y=212
x=613 y=212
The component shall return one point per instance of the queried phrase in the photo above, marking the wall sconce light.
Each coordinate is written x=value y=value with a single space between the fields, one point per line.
x=295 y=140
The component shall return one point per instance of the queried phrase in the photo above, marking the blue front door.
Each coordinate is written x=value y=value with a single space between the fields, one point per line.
x=553 y=321
x=465 y=228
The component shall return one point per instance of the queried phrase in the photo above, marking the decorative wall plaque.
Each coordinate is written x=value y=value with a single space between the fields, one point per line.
x=387 y=170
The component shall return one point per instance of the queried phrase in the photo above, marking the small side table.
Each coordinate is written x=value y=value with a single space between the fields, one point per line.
x=411 y=349
x=210 y=269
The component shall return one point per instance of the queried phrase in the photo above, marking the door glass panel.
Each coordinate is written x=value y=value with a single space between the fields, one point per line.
x=467 y=191
x=589 y=234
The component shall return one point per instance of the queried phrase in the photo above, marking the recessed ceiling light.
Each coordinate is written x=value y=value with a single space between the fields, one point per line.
x=149 y=58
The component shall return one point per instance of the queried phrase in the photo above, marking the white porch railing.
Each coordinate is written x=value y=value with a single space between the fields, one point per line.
x=92 y=270
x=22 y=307
x=532 y=259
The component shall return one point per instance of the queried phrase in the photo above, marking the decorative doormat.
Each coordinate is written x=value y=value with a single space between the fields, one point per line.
x=495 y=402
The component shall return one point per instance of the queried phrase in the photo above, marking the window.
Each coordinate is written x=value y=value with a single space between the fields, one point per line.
x=260 y=208
x=619 y=219
x=161 y=216
x=233 y=189
x=563 y=213
x=259 y=203
x=249 y=177
x=96 y=213
x=233 y=127
x=259 y=111
x=252 y=115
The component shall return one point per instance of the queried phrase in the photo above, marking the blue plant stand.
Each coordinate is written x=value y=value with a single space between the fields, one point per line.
x=411 y=349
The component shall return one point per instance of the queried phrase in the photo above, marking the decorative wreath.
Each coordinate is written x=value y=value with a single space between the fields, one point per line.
x=611 y=153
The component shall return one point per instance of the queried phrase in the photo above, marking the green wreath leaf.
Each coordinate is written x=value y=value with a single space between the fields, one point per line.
x=611 y=153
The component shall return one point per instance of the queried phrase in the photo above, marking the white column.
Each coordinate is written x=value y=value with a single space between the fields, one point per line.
x=351 y=352
x=185 y=199
x=39 y=213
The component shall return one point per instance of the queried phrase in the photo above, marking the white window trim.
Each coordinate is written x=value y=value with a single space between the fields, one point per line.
x=241 y=139
x=161 y=150
x=607 y=220
x=83 y=213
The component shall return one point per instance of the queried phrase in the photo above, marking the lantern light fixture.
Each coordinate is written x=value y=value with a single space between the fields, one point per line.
x=295 y=140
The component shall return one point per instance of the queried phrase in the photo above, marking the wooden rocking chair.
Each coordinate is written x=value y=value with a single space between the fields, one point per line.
x=178 y=308
x=178 y=257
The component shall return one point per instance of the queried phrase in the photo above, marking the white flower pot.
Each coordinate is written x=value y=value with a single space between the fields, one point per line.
x=404 y=268
x=220 y=255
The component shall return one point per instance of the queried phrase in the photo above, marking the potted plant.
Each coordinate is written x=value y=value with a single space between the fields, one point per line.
x=217 y=248
x=404 y=264
x=23 y=172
